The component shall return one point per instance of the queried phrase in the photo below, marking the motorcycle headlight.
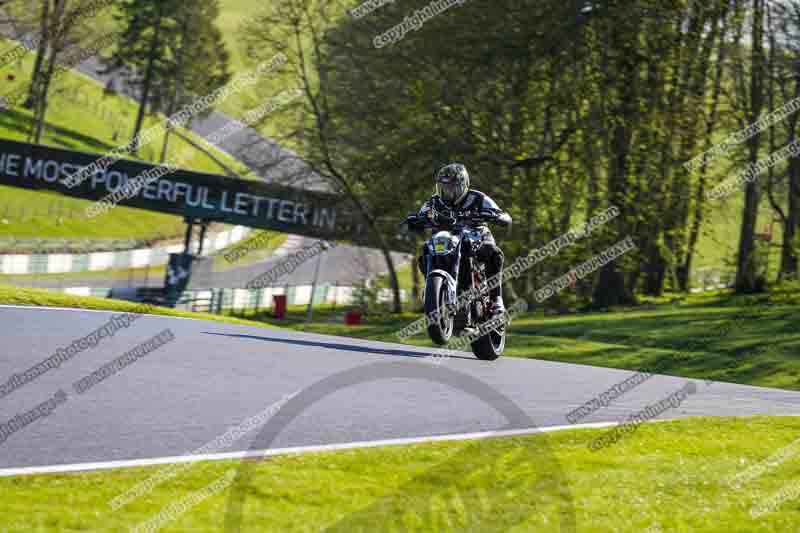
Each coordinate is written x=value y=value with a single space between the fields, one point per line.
x=441 y=245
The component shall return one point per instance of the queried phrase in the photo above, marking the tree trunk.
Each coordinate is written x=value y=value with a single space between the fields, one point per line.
x=611 y=283
x=655 y=271
x=321 y=121
x=529 y=192
x=746 y=262
x=397 y=306
x=699 y=205
x=789 y=262
x=165 y=146
x=610 y=290
x=208 y=153
x=397 y=302
x=43 y=86
x=168 y=128
x=41 y=51
x=695 y=71
x=148 y=80
x=788 y=252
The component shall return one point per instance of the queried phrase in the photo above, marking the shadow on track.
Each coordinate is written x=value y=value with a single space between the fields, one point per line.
x=344 y=347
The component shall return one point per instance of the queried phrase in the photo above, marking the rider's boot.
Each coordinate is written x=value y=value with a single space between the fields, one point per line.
x=496 y=296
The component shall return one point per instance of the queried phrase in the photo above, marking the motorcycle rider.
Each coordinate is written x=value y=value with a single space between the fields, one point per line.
x=453 y=195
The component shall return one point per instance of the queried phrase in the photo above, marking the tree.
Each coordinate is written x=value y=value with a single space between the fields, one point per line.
x=751 y=93
x=53 y=41
x=297 y=28
x=41 y=50
x=150 y=30
x=199 y=61
x=62 y=33
x=711 y=124
x=785 y=73
x=560 y=110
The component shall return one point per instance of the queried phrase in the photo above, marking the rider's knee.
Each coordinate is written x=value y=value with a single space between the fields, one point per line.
x=499 y=258
x=492 y=255
x=484 y=253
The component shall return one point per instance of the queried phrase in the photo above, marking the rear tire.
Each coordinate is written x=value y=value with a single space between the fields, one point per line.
x=491 y=346
x=436 y=299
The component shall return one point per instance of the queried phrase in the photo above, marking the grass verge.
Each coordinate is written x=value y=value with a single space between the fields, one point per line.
x=666 y=477
x=11 y=295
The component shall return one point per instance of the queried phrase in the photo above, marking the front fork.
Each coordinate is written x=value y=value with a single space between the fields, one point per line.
x=452 y=279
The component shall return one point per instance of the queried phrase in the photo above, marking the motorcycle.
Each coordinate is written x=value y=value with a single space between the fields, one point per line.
x=452 y=270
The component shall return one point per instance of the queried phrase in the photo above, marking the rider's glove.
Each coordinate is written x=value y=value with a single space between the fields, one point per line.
x=415 y=224
x=490 y=214
x=500 y=218
x=441 y=219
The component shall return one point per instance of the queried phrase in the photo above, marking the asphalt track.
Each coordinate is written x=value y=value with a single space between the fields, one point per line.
x=214 y=376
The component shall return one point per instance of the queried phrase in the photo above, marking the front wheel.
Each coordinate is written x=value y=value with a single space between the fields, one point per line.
x=436 y=300
x=491 y=346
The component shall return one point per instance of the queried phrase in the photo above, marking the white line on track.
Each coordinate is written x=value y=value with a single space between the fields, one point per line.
x=133 y=463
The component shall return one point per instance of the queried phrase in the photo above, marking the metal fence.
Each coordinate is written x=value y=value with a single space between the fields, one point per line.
x=242 y=300
x=121 y=256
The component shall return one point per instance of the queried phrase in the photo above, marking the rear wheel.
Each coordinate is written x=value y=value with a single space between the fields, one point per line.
x=491 y=346
x=436 y=300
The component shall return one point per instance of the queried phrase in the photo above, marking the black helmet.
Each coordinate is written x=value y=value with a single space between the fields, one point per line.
x=452 y=183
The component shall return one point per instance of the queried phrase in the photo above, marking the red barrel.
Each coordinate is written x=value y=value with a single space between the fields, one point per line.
x=353 y=318
x=279 y=305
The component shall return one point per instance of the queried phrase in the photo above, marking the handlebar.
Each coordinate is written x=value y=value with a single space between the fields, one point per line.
x=474 y=215
x=468 y=216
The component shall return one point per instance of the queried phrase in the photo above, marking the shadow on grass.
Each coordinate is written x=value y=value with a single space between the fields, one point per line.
x=760 y=349
x=65 y=138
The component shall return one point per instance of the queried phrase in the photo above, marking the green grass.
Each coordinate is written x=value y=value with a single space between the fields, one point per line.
x=267 y=243
x=760 y=350
x=670 y=476
x=12 y=295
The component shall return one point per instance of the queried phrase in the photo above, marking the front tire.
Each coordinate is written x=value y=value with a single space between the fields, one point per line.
x=436 y=299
